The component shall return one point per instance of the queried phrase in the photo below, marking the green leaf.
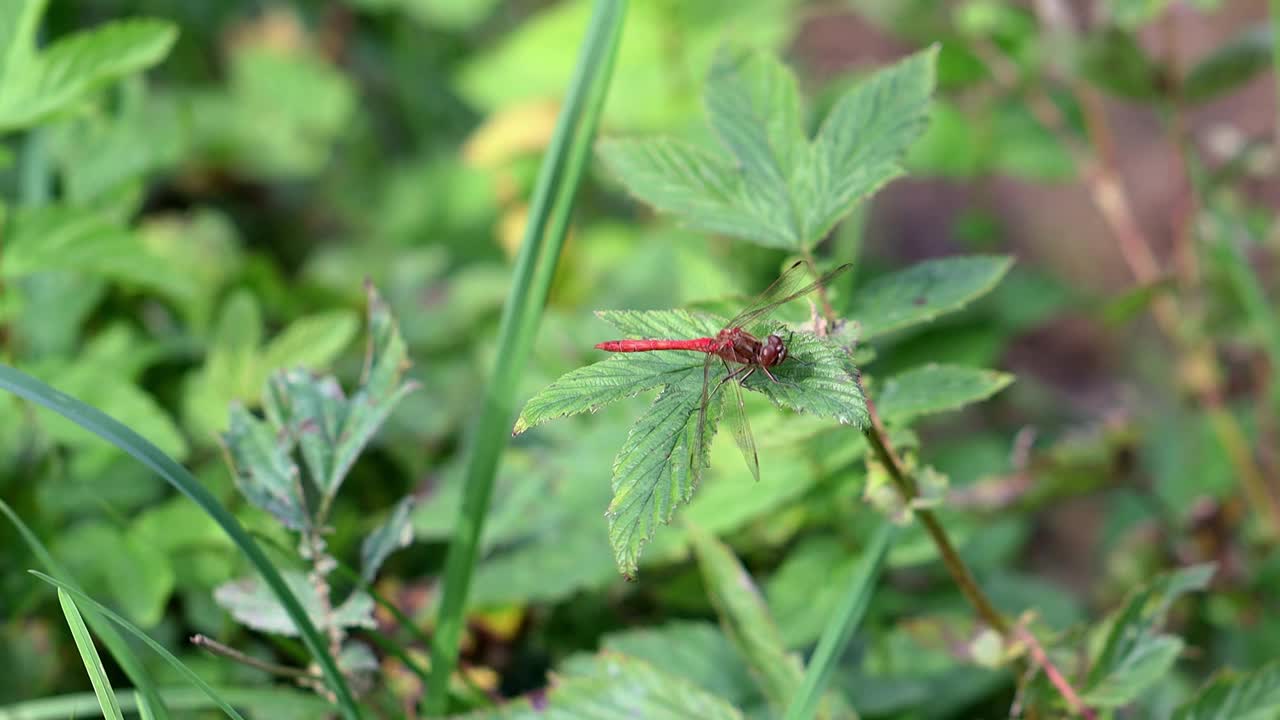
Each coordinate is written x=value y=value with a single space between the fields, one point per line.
x=89 y=655
x=64 y=588
x=615 y=687
x=1229 y=65
x=746 y=620
x=312 y=341
x=699 y=187
x=393 y=534
x=253 y=604
x=695 y=651
x=35 y=84
x=264 y=472
x=924 y=292
x=1112 y=59
x=865 y=137
x=776 y=188
x=93 y=241
x=589 y=388
x=935 y=388
x=1133 y=654
x=1236 y=696
x=1143 y=665
x=652 y=473
x=332 y=430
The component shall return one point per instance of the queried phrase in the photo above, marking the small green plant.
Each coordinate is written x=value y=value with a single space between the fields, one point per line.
x=309 y=417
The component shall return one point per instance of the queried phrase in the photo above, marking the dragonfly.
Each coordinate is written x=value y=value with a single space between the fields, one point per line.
x=741 y=354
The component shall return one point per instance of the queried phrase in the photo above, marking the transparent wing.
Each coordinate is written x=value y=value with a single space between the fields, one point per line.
x=792 y=284
x=737 y=417
x=697 y=450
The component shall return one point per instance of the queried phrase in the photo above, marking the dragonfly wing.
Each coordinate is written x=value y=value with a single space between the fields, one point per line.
x=698 y=448
x=737 y=416
x=792 y=284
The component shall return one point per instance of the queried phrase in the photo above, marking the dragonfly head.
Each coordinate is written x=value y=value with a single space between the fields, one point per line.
x=772 y=351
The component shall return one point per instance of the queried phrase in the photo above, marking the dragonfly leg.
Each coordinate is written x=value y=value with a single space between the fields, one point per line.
x=766 y=372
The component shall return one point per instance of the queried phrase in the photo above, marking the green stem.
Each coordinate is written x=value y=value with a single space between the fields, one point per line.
x=539 y=252
x=878 y=438
x=836 y=635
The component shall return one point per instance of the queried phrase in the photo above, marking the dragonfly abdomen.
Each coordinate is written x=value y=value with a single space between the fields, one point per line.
x=704 y=344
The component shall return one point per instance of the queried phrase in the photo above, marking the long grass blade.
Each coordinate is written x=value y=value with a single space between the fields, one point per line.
x=143 y=451
x=92 y=663
x=106 y=632
x=266 y=702
x=64 y=588
x=535 y=265
x=835 y=636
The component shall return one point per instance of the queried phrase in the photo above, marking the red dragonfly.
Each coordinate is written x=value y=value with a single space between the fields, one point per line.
x=737 y=345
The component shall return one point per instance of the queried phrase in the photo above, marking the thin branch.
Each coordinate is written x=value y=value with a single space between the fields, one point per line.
x=1102 y=180
x=1060 y=682
x=909 y=490
x=230 y=653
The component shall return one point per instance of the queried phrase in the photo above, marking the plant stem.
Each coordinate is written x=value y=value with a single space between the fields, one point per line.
x=544 y=237
x=230 y=653
x=909 y=491
x=1056 y=678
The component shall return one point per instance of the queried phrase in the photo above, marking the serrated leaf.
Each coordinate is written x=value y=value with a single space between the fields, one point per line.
x=746 y=620
x=699 y=187
x=1229 y=65
x=924 y=292
x=37 y=83
x=937 y=388
x=1133 y=654
x=253 y=604
x=615 y=687
x=865 y=137
x=589 y=388
x=1236 y=696
x=651 y=475
x=775 y=187
x=393 y=534
x=331 y=430
x=652 y=472
x=264 y=472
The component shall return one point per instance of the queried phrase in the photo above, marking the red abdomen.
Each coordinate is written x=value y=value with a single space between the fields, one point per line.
x=697 y=344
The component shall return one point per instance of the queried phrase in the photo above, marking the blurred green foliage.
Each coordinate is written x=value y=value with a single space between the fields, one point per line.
x=192 y=196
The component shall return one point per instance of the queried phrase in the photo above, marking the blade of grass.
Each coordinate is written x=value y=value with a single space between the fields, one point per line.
x=535 y=265
x=116 y=645
x=64 y=588
x=839 y=629
x=268 y=702
x=92 y=663
x=140 y=449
